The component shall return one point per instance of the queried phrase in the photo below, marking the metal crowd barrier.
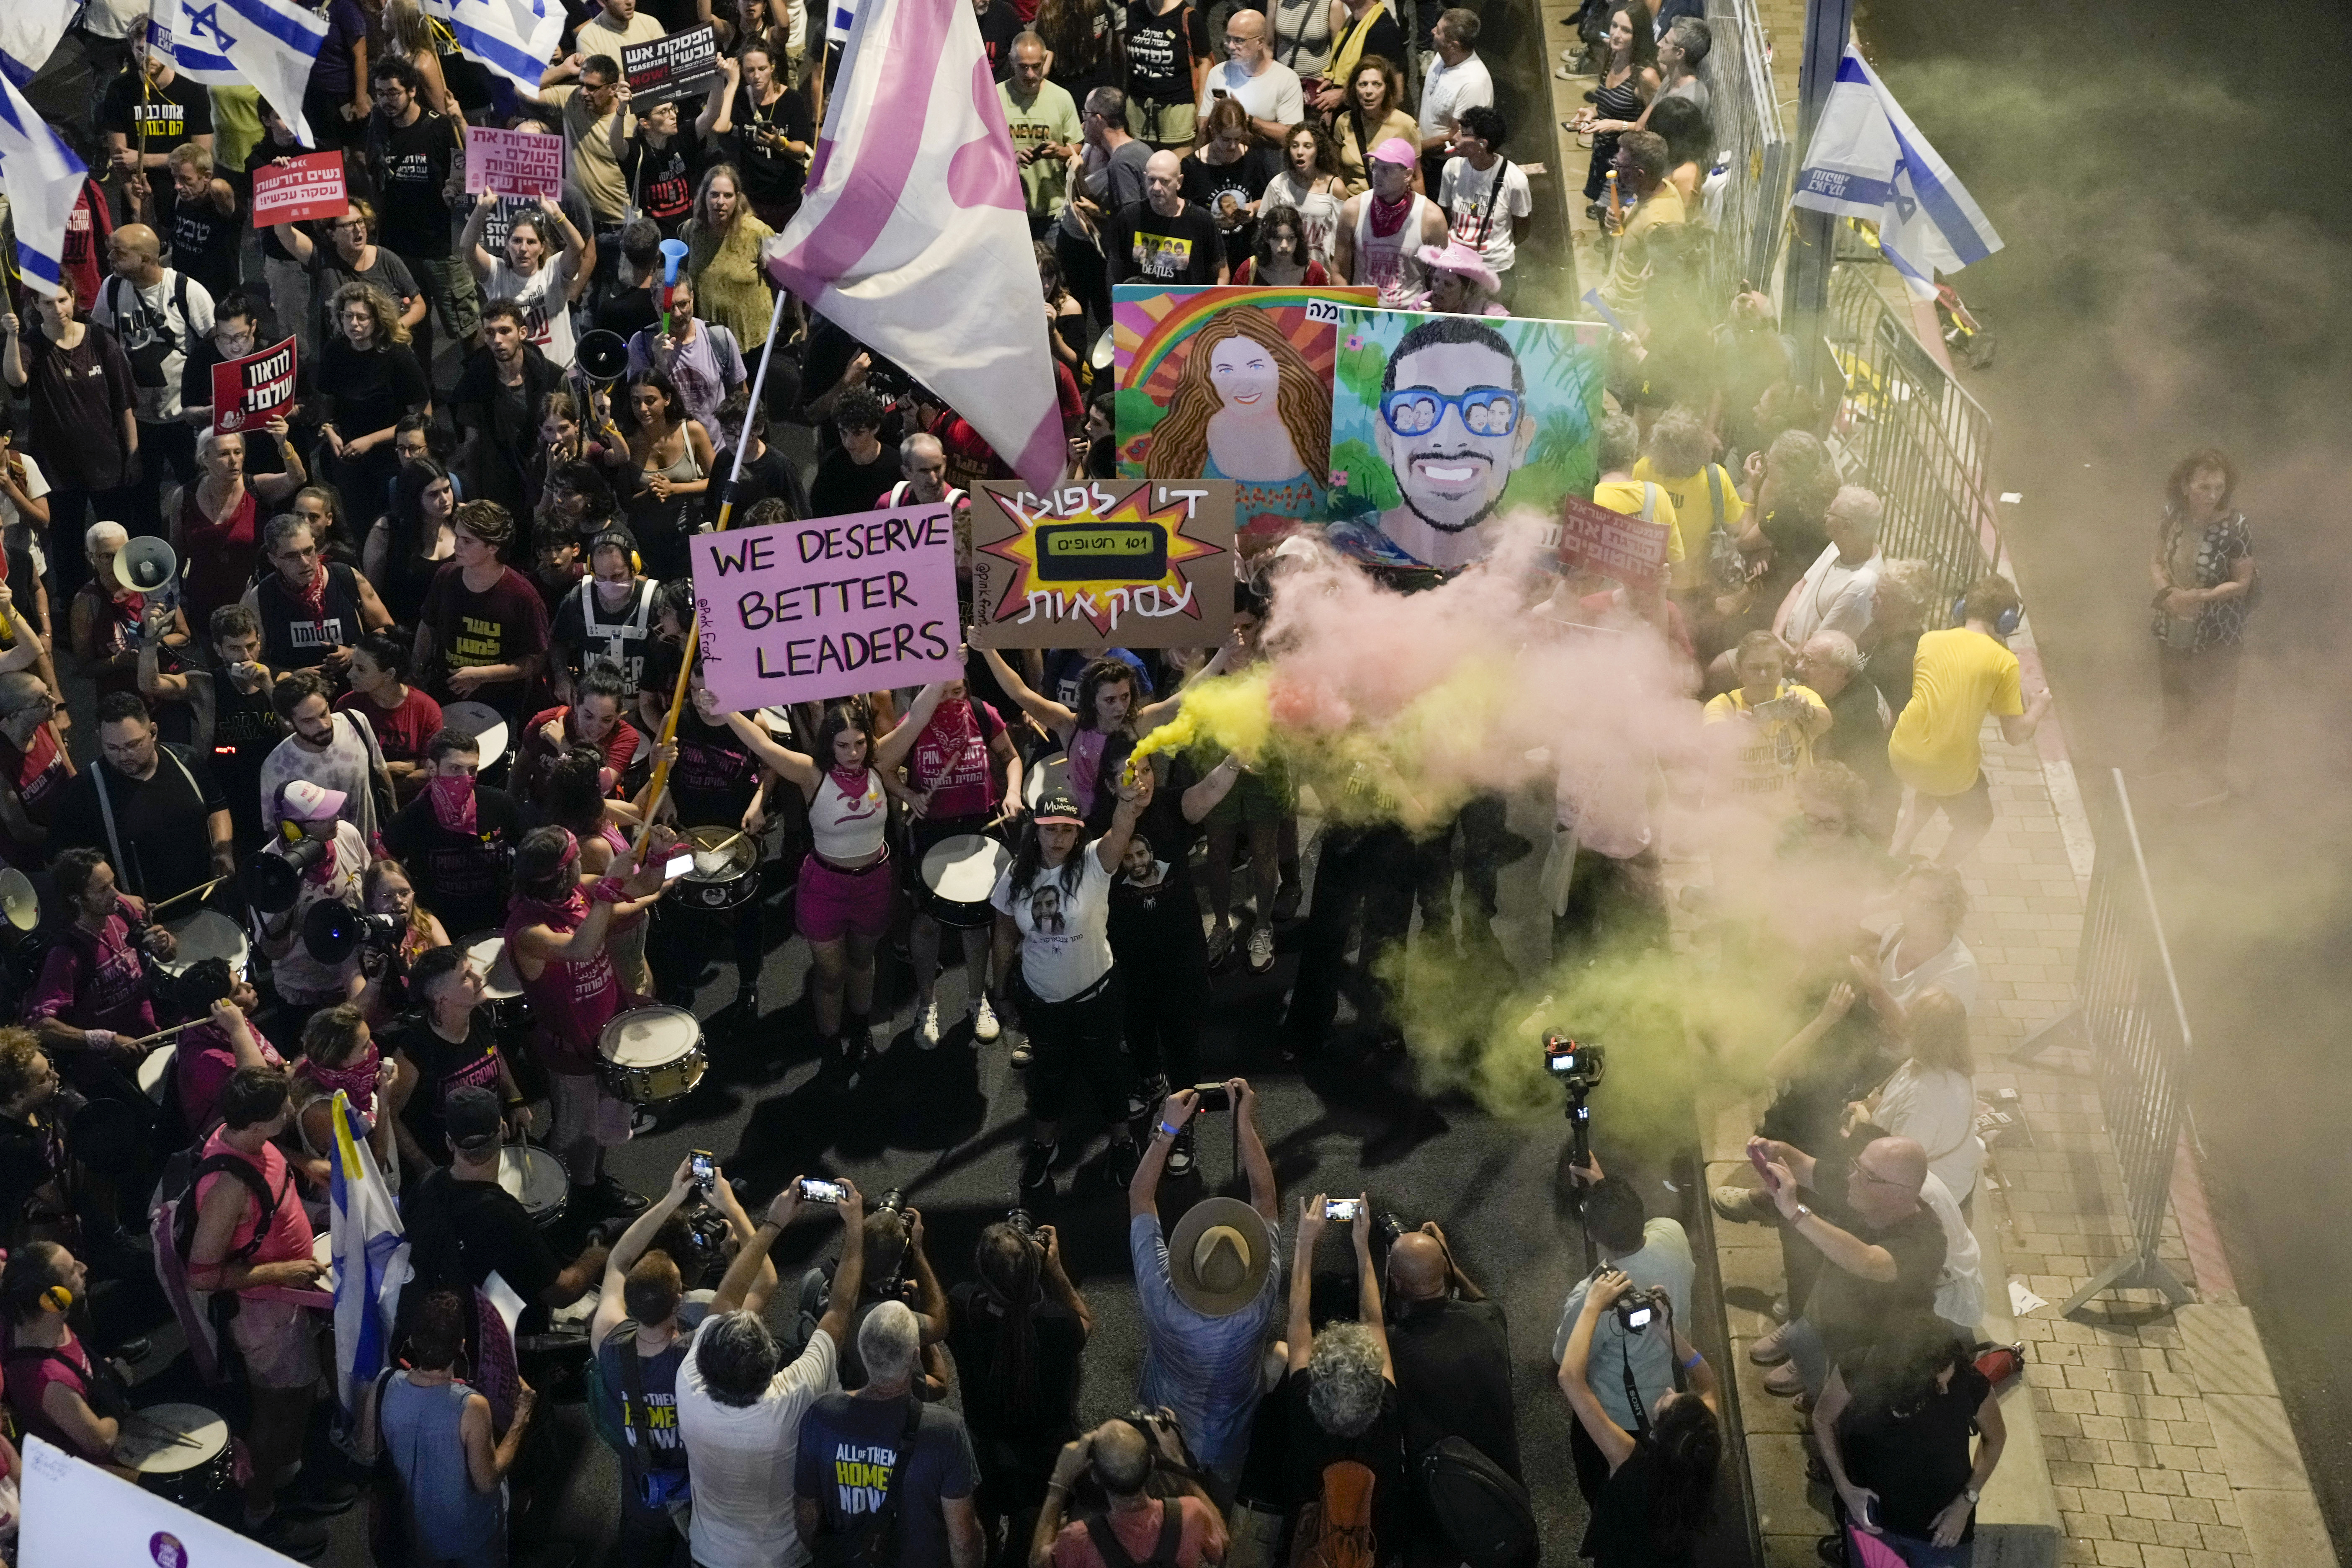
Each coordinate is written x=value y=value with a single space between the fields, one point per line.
x=1909 y=432
x=1752 y=147
x=2127 y=1012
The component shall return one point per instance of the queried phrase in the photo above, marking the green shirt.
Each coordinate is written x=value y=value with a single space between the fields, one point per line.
x=1052 y=116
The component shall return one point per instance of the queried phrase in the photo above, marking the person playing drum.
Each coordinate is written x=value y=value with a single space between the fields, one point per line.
x=92 y=1000
x=206 y=1053
x=843 y=904
x=1052 y=908
x=715 y=780
x=951 y=790
x=59 y=1390
x=444 y=1043
x=253 y=1237
x=571 y=794
x=556 y=928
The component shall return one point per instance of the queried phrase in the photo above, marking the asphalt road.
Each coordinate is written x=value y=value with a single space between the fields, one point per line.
x=2170 y=178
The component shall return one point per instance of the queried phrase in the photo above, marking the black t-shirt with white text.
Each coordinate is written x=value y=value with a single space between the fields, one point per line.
x=443 y=1067
x=411 y=164
x=461 y=877
x=1160 y=48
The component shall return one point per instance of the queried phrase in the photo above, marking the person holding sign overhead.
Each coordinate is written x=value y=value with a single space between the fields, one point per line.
x=539 y=272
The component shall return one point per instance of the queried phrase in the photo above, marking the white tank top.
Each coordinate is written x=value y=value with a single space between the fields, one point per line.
x=848 y=828
x=1390 y=263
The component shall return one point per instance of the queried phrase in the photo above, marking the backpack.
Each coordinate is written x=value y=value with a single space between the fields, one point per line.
x=147 y=359
x=1163 y=1550
x=204 y=1315
x=1334 y=1531
x=1483 y=1511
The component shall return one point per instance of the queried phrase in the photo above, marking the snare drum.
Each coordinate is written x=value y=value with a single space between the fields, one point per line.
x=208 y=933
x=1049 y=774
x=155 y=1071
x=502 y=988
x=181 y=1452
x=956 y=877
x=484 y=723
x=650 y=1056
x=536 y=1179
x=720 y=879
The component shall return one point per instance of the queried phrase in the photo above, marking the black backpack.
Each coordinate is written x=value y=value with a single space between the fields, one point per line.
x=1483 y=1511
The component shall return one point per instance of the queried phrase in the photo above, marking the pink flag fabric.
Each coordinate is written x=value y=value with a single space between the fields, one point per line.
x=913 y=237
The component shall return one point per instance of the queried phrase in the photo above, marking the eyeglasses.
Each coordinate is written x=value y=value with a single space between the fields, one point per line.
x=1867 y=1174
x=1485 y=410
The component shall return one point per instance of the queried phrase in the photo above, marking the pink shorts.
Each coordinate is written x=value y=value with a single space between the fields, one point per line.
x=275 y=1339
x=832 y=904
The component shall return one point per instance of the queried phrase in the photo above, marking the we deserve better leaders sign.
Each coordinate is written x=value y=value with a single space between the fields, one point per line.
x=800 y=612
x=77 y=1514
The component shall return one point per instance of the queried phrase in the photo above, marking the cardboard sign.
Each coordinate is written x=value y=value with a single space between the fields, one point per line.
x=682 y=65
x=249 y=392
x=804 y=611
x=1115 y=563
x=76 y=1513
x=513 y=163
x=1610 y=543
x=299 y=189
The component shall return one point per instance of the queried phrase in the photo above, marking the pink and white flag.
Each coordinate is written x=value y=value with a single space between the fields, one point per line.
x=913 y=237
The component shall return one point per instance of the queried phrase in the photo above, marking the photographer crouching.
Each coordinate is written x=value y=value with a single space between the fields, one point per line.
x=1131 y=1522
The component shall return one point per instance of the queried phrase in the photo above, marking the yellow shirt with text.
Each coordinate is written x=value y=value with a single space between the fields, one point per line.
x=1958 y=678
x=1772 y=752
x=1695 y=509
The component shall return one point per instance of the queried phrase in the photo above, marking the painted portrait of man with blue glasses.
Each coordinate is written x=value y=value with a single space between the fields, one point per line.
x=1453 y=424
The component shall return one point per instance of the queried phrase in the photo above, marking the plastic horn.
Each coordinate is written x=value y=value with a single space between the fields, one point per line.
x=673 y=253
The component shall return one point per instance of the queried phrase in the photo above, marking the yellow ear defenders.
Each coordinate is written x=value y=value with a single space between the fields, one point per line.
x=57 y=1296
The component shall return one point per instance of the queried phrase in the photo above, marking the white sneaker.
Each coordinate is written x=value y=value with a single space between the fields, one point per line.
x=1261 y=949
x=927 y=1027
x=984 y=1023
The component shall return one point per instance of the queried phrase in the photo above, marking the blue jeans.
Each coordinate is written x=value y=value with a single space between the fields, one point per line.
x=1811 y=1356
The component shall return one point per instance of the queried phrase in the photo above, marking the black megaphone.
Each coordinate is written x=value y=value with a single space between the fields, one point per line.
x=273 y=881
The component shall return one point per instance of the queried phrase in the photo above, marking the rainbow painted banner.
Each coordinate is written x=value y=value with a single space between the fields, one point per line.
x=1231 y=384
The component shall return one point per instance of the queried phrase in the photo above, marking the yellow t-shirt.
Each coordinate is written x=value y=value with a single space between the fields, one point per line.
x=1693 y=536
x=1958 y=676
x=1775 y=751
x=1625 y=495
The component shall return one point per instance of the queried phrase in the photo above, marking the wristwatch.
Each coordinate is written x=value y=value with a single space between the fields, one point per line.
x=1804 y=1212
x=1971 y=1494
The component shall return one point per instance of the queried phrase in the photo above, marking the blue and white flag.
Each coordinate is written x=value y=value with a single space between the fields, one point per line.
x=43 y=179
x=1869 y=161
x=840 y=16
x=187 y=33
x=29 y=31
x=371 y=1255
x=271 y=44
x=516 y=38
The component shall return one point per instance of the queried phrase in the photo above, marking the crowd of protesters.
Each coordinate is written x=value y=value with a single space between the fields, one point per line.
x=413 y=678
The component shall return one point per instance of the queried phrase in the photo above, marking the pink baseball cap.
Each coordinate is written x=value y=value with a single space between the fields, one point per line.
x=1396 y=149
x=307 y=802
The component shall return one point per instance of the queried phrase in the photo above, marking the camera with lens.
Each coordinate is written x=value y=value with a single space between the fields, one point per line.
x=892 y=1201
x=1389 y=1227
x=1208 y=1096
x=1023 y=1221
x=1578 y=1066
x=333 y=931
x=1639 y=1309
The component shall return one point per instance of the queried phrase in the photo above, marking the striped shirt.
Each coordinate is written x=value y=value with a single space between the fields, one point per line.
x=1205 y=1369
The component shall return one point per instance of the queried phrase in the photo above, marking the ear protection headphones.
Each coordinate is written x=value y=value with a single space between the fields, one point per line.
x=2004 y=627
x=57 y=1296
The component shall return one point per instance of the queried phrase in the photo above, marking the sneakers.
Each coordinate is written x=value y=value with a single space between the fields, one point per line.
x=1784 y=1380
x=1145 y=1097
x=1181 y=1155
x=926 y=1026
x=1037 y=1169
x=1220 y=942
x=1740 y=1205
x=1118 y=1163
x=304 y=1539
x=1772 y=1349
x=1287 y=897
x=985 y=1027
x=1022 y=1055
x=1261 y=949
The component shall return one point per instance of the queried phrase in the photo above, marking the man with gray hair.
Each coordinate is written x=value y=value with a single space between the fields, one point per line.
x=882 y=1465
x=925 y=463
x=1682 y=49
x=1833 y=595
x=1108 y=175
x=1860 y=722
x=1339 y=1395
x=1182 y=1530
x=1043 y=122
x=740 y=1408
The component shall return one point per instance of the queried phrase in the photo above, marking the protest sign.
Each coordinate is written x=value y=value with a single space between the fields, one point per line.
x=1230 y=383
x=513 y=163
x=299 y=189
x=252 y=390
x=1443 y=426
x=1115 y=563
x=75 y=1513
x=681 y=64
x=799 y=612
x=1610 y=543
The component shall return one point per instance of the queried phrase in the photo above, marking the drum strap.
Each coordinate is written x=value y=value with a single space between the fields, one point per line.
x=100 y=1386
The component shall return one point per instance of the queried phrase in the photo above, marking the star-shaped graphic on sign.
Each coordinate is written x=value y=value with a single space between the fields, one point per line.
x=1090 y=597
x=205 y=19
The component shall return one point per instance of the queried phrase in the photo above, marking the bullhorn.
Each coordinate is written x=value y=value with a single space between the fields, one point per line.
x=145 y=565
x=19 y=905
x=272 y=882
x=602 y=357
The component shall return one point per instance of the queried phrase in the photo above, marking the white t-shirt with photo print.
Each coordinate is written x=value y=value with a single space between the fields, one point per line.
x=1064 y=929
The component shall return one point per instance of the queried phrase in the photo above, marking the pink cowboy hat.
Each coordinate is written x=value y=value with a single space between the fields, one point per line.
x=1457 y=256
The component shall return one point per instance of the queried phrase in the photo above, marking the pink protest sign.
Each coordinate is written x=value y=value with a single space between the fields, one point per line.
x=800 y=612
x=1610 y=543
x=513 y=163
x=296 y=190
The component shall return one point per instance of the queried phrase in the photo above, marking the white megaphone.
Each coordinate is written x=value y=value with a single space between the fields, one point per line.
x=148 y=566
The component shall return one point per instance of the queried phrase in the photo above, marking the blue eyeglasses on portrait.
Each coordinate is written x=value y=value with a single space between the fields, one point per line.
x=1485 y=410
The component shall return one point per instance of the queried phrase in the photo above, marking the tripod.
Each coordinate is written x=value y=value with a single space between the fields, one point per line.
x=1580 y=1158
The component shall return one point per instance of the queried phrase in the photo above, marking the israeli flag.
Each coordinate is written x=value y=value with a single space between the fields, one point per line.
x=42 y=180
x=516 y=38
x=187 y=33
x=840 y=16
x=29 y=31
x=370 y=1248
x=270 y=44
x=1869 y=161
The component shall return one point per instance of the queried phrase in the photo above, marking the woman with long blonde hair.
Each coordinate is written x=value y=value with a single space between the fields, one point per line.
x=409 y=36
x=1247 y=407
x=722 y=254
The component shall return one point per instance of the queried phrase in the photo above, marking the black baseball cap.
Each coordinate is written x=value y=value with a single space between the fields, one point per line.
x=612 y=537
x=472 y=1120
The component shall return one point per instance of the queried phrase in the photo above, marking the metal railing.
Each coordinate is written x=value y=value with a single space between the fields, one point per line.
x=1911 y=433
x=1751 y=145
x=2127 y=1012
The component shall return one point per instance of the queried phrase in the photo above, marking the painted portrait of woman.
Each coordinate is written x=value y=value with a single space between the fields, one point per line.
x=1248 y=408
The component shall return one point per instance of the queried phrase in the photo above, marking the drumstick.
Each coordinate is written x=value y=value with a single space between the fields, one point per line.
x=162 y=1035
x=715 y=848
x=191 y=892
x=157 y=1429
